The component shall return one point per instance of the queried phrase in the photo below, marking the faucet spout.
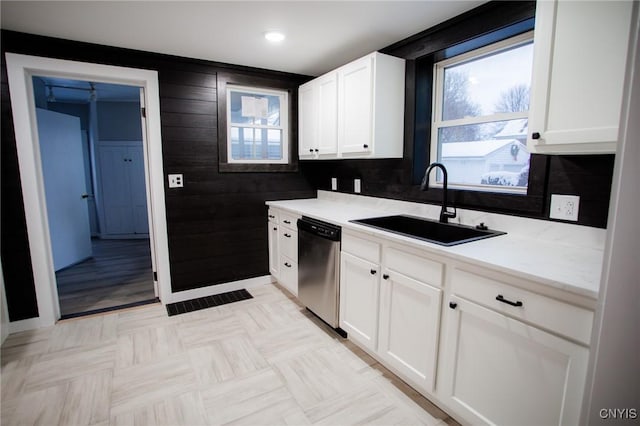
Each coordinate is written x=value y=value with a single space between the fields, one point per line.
x=445 y=214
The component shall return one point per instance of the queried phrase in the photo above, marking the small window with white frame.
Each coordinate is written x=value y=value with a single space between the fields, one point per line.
x=480 y=117
x=257 y=125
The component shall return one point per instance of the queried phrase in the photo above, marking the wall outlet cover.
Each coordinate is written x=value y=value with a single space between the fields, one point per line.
x=356 y=186
x=334 y=184
x=176 y=181
x=564 y=207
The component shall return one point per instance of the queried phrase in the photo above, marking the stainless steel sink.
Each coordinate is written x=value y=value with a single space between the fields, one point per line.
x=446 y=234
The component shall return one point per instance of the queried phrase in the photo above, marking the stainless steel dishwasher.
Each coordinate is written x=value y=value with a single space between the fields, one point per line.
x=319 y=269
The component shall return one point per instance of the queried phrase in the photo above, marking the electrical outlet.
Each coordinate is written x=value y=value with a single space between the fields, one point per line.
x=356 y=186
x=175 y=181
x=334 y=184
x=564 y=207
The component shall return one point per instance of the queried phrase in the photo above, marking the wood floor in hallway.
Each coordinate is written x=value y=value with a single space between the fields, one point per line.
x=119 y=273
x=262 y=361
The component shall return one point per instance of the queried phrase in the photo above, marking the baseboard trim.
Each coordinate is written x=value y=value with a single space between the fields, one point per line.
x=38 y=322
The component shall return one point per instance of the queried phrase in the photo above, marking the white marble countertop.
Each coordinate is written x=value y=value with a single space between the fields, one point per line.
x=564 y=256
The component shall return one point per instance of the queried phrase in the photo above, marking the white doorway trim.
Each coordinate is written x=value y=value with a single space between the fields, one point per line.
x=20 y=69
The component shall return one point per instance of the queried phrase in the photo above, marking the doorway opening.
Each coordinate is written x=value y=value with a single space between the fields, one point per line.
x=93 y=166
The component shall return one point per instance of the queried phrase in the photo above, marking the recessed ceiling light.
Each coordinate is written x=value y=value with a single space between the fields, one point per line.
x=274 y=36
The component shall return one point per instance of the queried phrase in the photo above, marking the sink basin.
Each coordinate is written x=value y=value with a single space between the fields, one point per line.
x=446 y=234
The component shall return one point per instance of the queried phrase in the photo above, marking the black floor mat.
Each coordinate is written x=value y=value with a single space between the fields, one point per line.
x=207 y=302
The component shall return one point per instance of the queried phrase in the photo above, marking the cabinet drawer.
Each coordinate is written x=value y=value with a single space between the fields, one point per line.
x=289 y=274
x=273 y=215
x=360 y=247
x=414 y=266
x=289 y=220
x=288 y=241
x=560 y=317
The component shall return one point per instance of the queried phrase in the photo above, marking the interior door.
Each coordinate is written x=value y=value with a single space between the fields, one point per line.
x=64 y=182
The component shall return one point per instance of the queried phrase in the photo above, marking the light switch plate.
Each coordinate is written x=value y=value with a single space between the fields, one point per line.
x=356 y=186
x=564 y=207
x=176 y=181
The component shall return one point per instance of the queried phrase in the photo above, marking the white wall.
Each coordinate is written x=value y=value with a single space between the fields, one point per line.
x=614 y=374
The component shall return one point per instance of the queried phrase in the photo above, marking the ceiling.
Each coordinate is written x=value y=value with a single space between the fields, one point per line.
x=320 y=35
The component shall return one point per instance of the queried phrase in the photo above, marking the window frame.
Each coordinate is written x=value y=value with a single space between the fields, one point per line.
x=274 y=80
x=283 y=127
x=437 y=106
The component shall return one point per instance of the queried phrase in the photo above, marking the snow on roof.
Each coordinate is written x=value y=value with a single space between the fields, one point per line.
x=476 y=148
x=513 y=128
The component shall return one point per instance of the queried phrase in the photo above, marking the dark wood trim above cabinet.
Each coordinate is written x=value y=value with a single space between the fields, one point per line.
x=259 y=82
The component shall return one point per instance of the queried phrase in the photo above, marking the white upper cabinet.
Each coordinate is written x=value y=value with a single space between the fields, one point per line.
x=580 y=54
x=356 y=111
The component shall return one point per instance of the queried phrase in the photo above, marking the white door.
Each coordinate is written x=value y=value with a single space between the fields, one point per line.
x=116 y=190
x=64 y=180
x=409 y=325
x=502 y=371
x=138 y=190
x=359 y=293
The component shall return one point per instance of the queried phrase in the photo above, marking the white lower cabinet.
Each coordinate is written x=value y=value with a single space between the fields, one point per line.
x=359 y=294
x=497 y=369
x=274 y=260
x=489 y=347
x=409 y=327
x=394 y=315
x=283 y=248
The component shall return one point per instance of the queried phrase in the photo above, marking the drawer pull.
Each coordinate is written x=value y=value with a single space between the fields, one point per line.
x=500 y=298
x=288 y=265
x=385 y=276
x=535 y=135
x=275 y=228
x=373 y=272
x=453 y=305
x=287 y=235
x=272 y=216
x=287 y=222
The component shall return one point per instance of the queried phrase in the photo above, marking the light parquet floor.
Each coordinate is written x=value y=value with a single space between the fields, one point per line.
x=263 y=361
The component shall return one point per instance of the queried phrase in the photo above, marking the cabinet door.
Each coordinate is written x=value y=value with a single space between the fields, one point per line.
x=580 y=52
x=138 y=190
x=499 y=370
x=327 y=103
x=359 y=293
x=409 y=325
x=116 y=190
x=274 y=254
x=355 y=109
x=307 y=121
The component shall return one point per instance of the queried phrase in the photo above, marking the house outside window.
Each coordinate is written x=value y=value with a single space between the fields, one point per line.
x=257 y=125
x=481 y=107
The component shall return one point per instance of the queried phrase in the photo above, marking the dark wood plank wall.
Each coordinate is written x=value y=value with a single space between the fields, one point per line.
x=589 y=177
x=216 y=226
x=216 y=223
